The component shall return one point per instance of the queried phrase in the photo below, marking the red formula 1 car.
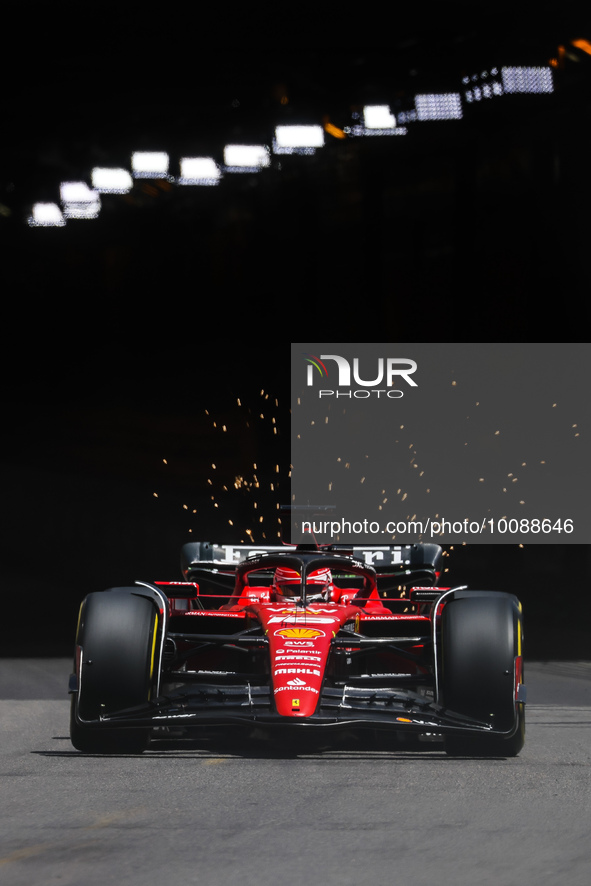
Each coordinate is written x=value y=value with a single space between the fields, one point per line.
x=298 y=638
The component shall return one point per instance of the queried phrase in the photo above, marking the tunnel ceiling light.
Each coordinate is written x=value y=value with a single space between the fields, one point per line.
x=149 y=164
x=439 y=106
x=111 y=180
x=239 y=158
x=79 y=201
x=199 y=171
x=522 y=79
x=378 y=117
x=298 y=139
x=584 y=45
x=46 y=215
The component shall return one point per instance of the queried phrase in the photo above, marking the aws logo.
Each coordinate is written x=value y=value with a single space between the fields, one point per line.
x=345 y=375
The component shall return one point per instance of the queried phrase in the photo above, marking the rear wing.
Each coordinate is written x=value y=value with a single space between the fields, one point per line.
x=398 y=567
x=395 y=565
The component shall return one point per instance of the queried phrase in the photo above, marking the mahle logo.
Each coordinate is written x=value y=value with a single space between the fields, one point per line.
x=388 y=369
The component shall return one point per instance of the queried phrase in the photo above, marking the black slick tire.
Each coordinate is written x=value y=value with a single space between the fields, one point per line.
x=481 y=637
x=117 y=639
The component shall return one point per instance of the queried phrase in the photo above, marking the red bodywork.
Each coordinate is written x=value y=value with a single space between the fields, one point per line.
x=360 y=638
x=300 y=636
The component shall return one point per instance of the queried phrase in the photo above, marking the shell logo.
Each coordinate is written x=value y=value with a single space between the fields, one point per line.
x=299 y=633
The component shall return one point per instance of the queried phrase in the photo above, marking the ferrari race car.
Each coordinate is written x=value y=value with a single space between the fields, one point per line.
x=300 y=638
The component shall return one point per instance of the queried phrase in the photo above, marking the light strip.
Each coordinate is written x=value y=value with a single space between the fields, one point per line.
x=111 y=180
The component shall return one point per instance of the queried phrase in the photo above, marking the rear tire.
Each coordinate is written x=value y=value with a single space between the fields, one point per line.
x=116 y=634
x=481 y=636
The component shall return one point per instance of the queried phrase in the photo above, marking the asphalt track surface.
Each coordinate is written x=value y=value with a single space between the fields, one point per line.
x=213 y=813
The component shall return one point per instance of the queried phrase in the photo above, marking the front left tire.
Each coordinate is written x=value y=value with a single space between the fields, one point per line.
x=117 y=641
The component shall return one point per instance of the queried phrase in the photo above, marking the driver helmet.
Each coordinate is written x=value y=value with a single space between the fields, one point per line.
x=286 y=583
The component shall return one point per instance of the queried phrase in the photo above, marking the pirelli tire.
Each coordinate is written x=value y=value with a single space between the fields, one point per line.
x=116 y=641
x=481 y=659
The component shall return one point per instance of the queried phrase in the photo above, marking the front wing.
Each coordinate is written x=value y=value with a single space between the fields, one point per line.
x=396 y=710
